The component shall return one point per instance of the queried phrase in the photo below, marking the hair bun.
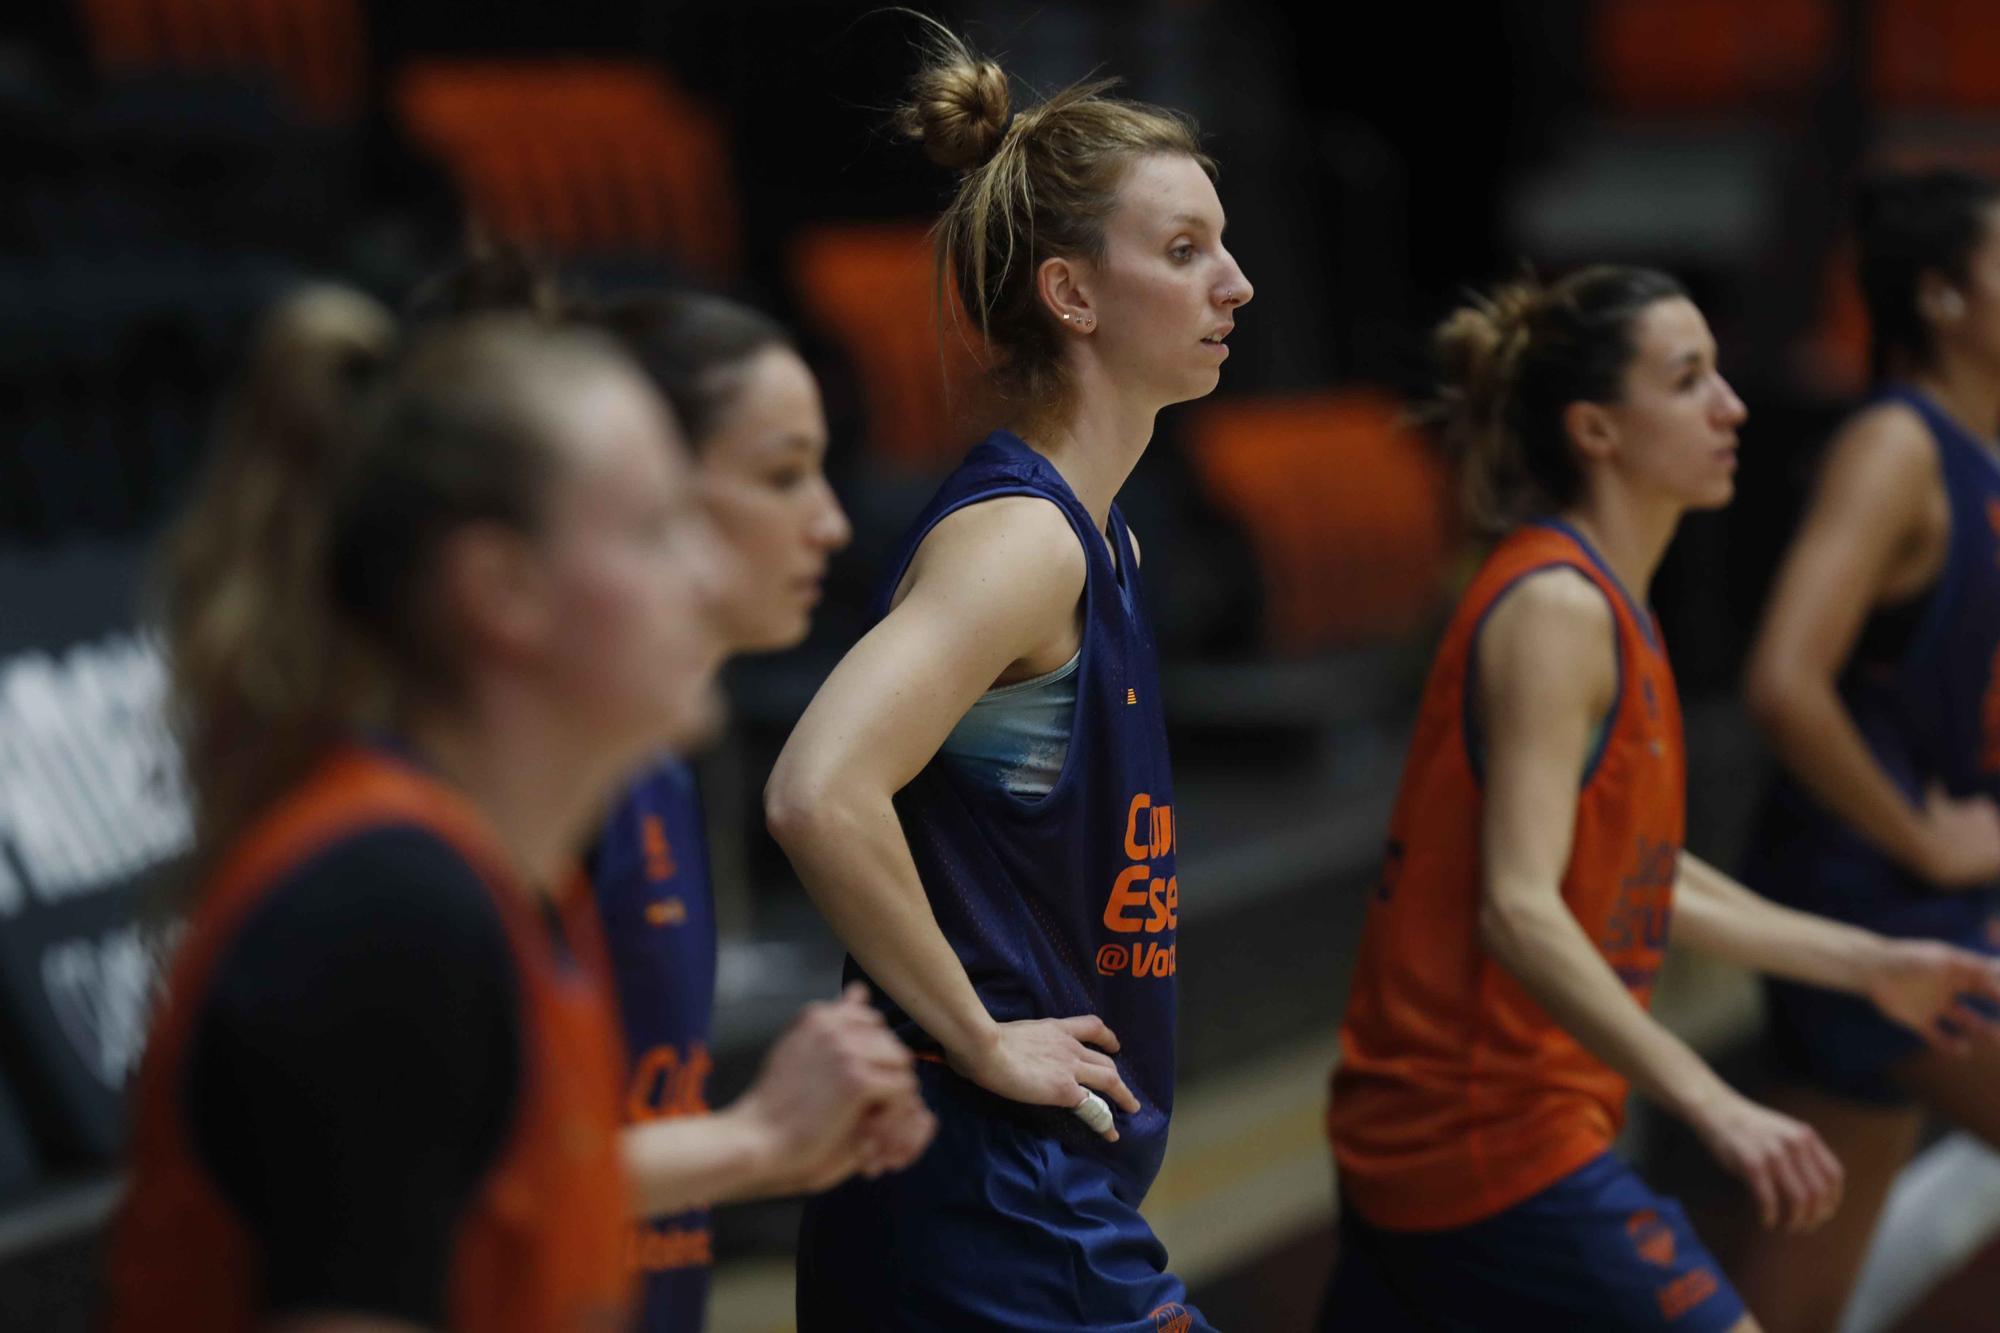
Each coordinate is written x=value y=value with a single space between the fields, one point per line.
x=1478 y=343
x=958 y=107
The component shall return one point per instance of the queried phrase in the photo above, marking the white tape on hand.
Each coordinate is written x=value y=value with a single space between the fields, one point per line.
x=1094 y=1111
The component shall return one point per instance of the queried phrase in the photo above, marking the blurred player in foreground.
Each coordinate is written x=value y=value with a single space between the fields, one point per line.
x=430 y=608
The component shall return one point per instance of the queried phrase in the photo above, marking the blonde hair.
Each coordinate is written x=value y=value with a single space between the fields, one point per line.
x=257 y=667
x=1033 y=184
x=295 y=587
x=1511 y=360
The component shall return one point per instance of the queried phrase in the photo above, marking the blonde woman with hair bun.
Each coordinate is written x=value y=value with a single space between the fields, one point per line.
x=979 y=798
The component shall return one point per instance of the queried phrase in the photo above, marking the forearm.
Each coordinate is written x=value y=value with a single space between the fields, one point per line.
x=1542 y=946
x=695 y=1161
x=855 y=863
x=1821 y=748
x=1715 y=915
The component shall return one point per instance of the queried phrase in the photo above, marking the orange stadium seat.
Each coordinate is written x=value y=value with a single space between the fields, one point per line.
x=1832 y=357
x=312 y=49
x=1935 y=55
x=1693 y=56
x=1348 y=509
x=871 y=288
x=580 y=157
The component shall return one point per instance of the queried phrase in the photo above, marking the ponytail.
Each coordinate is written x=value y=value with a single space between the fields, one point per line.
x=1511 y=362
x=261 y=674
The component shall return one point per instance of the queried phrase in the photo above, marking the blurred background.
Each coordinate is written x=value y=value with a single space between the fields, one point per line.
x=167 y=167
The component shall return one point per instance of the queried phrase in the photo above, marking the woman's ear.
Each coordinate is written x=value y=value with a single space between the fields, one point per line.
x=491 y=590
x=1061 y=285
x=1591 y=429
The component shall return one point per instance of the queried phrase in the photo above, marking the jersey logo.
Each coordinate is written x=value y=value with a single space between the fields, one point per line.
x=1141 y=901
x=1652 y=1238
x=1989 y=719
x=659 y=1247
x=670 y=911
x=1173 y=1317
x=1131 y=697
x=1686 y=1291
x=659 y=852
x=667 y=1083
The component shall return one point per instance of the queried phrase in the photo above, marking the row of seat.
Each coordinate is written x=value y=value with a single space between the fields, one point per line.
x=1699 y=56
x=1674 y=55
x=597 y=157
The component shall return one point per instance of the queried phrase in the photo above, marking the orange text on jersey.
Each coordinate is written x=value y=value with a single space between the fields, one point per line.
x=667 y=1083
x=1141 y=900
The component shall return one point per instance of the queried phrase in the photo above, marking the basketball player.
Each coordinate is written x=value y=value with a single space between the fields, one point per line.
x=428 y=610
x=1874 y=677
x=1535 y=872
x=979 y=797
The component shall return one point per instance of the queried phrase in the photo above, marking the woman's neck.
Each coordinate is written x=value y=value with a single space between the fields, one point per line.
x=1629 y=532
x=535 y=784
x=1969 y=395
x=1094 y=441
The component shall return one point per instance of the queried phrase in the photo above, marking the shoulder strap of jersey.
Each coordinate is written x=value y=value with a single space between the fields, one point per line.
x=999 y=465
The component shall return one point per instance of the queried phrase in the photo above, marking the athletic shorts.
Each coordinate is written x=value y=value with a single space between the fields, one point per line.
x=1840 y=1043
x=998 y=1228
x=1832 y=1041
x=1596 y=1252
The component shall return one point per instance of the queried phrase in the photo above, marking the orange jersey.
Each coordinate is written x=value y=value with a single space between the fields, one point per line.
x=1456 y=1095
x=542 y=1246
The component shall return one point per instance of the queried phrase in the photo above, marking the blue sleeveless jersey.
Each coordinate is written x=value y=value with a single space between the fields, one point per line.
x=1930 y=712
x=1068 y=903
x=650 y=873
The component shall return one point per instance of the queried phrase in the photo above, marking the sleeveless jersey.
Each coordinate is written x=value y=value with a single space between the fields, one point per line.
x=650 y=874
x=1929 y=710
x=1068 y=903
x=1456 y=1095
x=542 y=1246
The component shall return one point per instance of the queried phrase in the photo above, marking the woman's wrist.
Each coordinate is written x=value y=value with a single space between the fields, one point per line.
x=973 y=1043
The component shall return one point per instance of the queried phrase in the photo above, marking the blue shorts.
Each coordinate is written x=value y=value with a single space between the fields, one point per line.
x=998 y=1227
x=1596 y=1252
x=1833 y=1041
x=1841 y=1043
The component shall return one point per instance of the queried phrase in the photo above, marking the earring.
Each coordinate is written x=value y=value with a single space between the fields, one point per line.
x=1068 y=318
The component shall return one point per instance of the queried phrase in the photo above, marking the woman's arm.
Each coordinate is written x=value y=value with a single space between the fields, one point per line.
x=1919 y=983
x=1547 y=674
x=994 y=585
x=836 y=1096
x=1870 y=525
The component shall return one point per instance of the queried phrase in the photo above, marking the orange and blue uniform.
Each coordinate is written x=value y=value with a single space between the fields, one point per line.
x=649 y=873
x=326 y=1193
x=1462 y=1113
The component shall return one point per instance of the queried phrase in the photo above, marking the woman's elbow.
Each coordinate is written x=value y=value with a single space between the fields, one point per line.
x=1772 y=692
x=1503 y=929
x=793 y=802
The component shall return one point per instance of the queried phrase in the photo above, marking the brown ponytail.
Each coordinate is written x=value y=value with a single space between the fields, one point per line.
x=1042 y=182
x=260 y=672
x=1511 y=361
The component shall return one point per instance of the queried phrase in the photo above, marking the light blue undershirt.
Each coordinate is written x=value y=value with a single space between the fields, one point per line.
x=1016 y=736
